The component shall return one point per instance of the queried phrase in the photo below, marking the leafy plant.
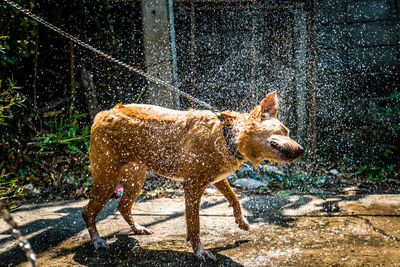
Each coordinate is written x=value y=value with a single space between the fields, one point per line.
x=9 y=99
x=57 y=161
x=55 y=158
x=381 y=165
x=299 y=181
x=63 y=135
x=393 y=111
x=19 y=35
x=9 y=188
x=385 y=157
x=98 y=17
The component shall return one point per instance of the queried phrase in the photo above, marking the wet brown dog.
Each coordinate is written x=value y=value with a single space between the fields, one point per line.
x=185 y=145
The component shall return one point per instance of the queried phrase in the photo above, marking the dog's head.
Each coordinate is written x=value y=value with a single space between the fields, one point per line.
x=263 y=137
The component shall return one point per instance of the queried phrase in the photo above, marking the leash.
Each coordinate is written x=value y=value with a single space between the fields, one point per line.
x=111 y=58
x=224 y=118
x=22 y=242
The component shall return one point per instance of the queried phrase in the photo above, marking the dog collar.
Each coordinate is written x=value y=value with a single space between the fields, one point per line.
x=228 y=135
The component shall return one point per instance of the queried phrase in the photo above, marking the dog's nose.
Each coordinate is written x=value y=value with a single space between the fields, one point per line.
x=300 y=151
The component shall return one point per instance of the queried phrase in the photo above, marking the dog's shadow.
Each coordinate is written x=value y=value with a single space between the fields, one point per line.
x=126 y=251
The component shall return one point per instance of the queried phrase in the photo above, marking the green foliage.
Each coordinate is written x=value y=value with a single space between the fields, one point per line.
x=9 y=188
x=54 y=158
x=299 y=181
x=97 y=13
x=63 y=135
x=283 y=193
x=393 y=111
x=369 y=163
x=10 y=99
x=381 y=165
x=385 y=157
x=384 y=163
x=57 y=163
x=11 y=102
x=19 y=34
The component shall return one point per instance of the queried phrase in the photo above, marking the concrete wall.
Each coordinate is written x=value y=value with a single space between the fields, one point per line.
x=234 y=55
x=358 y=64
x=241 y=52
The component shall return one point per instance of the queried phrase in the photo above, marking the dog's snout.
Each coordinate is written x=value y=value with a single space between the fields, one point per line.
x=289 y=149
x=300 y=151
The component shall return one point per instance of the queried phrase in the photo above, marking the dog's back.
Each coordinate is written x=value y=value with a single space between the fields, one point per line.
x=164 y=140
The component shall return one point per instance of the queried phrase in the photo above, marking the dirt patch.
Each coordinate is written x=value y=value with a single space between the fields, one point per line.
x=294 y=230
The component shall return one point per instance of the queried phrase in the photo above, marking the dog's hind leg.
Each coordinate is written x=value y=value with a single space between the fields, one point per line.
x=133 y=176
x=224 y=187
x=104 y=182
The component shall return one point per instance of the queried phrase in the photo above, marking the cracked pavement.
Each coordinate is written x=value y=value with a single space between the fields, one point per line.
x=294 y=230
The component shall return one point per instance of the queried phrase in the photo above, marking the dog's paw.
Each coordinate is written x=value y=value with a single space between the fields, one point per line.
x=138 y=229
x=98 y=242
x=243 y=223
x=203 y=255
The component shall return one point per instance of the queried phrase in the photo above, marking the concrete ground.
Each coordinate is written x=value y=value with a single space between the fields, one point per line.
x=286 y=231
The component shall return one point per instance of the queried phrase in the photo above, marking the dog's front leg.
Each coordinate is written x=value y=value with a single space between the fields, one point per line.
x=192 y=204
x=224 y=187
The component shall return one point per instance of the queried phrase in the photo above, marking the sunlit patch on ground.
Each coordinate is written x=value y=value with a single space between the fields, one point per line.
x=292 y=230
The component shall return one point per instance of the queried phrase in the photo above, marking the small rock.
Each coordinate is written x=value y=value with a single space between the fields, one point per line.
x=244 y=171
x=29 y=186
x=334 y=171
x=70 y=179
x=321 y=179
x=316 y=191
x=271 y=169
x=231 y=177
x=297 y=192
x=36 y=191
x=254 y=175
x=210 y=190
x=248 y=183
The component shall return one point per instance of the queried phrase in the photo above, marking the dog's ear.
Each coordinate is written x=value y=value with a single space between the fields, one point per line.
x=269 y=105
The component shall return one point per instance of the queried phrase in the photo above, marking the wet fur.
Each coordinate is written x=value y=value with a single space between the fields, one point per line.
x=184 y=145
